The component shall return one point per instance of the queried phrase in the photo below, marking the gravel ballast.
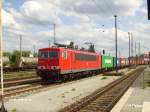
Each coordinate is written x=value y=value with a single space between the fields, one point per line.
x=54 y=99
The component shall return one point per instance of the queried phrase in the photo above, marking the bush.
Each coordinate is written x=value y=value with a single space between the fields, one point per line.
x=14 y=58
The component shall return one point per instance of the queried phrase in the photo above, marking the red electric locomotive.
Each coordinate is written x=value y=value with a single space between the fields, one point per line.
x=58 y=63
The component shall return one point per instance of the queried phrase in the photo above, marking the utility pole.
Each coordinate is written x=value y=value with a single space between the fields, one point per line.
x=20 y=60
x=20 y=36
x=129 y=47
x=116 y=40
x=135 y=55
x=135 y=48
x=148 y=8
x=54 y=26
x=149 y=58
x=139 y=49
x=49 y=42
x=132 y=51
x=2 y=108
x=33 y=50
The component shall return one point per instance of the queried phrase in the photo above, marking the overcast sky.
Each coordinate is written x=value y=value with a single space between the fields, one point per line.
x=76 y=20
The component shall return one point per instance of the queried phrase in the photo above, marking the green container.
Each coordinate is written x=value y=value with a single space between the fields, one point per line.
x=107 y=61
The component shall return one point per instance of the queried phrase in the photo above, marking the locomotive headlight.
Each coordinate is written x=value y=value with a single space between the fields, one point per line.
x=55 y=67
x=41 y=67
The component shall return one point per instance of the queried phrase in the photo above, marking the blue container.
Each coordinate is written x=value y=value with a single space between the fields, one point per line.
x=127 y=61
x=118 y=62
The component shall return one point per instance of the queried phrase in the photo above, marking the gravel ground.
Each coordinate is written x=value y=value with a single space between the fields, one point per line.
x=136 y=99
x=56 y=98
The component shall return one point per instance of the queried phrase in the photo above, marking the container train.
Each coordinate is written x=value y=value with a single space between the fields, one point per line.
x=58 y=63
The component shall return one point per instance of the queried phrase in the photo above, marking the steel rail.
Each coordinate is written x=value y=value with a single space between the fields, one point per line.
x=105 y=98
x=21 y=81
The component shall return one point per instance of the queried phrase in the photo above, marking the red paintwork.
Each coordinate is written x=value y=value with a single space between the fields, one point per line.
x=47 y=63
x=69 y=63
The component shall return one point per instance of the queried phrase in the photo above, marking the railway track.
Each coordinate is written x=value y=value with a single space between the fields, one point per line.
x=20 y=81
x=16 y=69
x=105 y=98
x=29 y=87
x=19 y=90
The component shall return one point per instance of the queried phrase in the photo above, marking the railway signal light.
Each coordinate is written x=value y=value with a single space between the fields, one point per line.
x=103 y=51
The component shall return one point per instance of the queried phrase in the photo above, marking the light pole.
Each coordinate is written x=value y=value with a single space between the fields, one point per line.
x=49 y=42
x=54 y=27
x=129 y=47
x=33 y=50
x=116 y=40
x=148 y=8
x=20 y=36
x=2 y=109
x=135 y=55
x=132 y=50
x=149 y=58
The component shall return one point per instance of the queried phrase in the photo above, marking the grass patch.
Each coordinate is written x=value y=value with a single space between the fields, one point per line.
x=146 y=84
x=103 y=78
x=73 y=89
x=19 y=74
x=14 y=110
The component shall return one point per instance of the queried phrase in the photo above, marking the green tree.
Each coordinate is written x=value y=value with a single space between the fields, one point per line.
x=14 y=58
x=35 y=54
x=91 y=48
x=71 y=45
x=7 y=54
x=26 y=53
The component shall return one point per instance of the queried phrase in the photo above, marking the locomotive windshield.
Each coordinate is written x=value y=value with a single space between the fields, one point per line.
x=43 y=54
x=53 y=54
x=48 y=54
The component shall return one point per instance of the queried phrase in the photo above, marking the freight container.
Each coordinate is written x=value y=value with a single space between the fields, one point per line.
x=107 y=61
x=127 y=61
x=118 y=62
x=122 y=61
x=114 y=62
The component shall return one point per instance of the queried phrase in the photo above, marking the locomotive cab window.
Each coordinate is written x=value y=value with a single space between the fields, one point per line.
x=43 y=54
x=48 y=54
x=53 y=54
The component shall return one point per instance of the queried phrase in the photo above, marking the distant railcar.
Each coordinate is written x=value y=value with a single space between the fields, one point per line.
x=127 y=61
x=5 y=61
x=29 y=61
x=114 y=62
x=123 y=62
x=107 y=62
